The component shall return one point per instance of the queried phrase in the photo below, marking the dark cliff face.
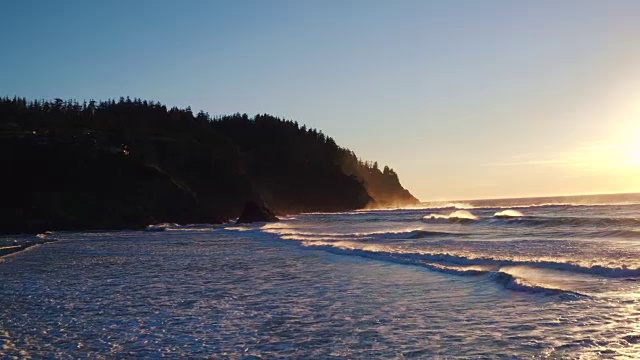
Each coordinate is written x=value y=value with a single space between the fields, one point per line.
x=130 y=163
x=293 y=169
x=57 y=186
x=386 y=190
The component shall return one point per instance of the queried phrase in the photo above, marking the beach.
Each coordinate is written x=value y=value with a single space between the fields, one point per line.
x=243 y=292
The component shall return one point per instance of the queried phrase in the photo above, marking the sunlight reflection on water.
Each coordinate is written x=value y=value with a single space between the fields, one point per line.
x=223 y=293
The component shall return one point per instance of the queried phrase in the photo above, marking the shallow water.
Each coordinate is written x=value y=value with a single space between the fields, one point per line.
x=362 y=284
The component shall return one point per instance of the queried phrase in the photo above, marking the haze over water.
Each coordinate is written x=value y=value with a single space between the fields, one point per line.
x=519 y=277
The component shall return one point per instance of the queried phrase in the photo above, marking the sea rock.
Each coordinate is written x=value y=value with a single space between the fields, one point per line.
x=254 y=212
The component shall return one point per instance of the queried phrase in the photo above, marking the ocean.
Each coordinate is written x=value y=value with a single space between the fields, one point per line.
x=514 y=278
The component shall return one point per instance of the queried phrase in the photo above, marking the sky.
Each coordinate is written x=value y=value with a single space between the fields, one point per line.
x=464 y=99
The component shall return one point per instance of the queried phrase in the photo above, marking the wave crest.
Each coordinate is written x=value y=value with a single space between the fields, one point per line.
x=508 y=213
x=508 y=281
x=288 y=233
x=569 y=221
x=489 y=263
x=178 y=227
x=456 y=216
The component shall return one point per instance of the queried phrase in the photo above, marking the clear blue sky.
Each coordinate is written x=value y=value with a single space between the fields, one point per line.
x=465 y=99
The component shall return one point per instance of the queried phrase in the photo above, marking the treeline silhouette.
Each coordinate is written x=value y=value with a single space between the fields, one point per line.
x=132 y=162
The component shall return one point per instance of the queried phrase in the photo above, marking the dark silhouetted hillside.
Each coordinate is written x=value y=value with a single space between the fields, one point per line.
x=129 y=163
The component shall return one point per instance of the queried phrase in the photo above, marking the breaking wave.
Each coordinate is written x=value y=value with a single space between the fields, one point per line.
x=177 y=227
x=517 y=284
x=508 y=213
x=161 y=227
x=459 y=260
x=456 y=216
x=569 y=221
x=515 y=217
x=287 y=233
x=450 y=205
x=508 y=281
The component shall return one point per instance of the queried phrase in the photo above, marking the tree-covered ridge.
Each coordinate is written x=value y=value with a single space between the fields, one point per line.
x=208 y=165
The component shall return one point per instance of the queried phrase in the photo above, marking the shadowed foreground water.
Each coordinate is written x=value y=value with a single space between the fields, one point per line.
x=223 y=293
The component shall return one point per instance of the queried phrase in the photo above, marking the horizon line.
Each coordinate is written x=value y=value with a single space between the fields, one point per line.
x=535 y=197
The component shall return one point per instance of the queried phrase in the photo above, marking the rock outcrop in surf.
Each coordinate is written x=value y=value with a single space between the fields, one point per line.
x=256 y=212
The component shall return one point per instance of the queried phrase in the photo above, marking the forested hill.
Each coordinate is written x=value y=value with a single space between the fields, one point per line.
x=129 y=163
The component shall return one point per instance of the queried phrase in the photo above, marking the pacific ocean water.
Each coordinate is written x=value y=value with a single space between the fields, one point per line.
x=516 y=278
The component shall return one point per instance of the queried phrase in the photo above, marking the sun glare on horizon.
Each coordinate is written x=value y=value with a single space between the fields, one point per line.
x=607 y=160
x=616 y=149
x=628 y=136
x=627 y=165
x=634 y=148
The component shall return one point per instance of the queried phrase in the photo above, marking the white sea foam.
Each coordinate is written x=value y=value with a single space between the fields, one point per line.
x=456 y=215
x=508 y=213
x=509 y=281
x=561 y=281
x=496 y=263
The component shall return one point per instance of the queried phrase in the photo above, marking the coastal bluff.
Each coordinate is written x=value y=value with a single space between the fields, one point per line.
x=128 y=163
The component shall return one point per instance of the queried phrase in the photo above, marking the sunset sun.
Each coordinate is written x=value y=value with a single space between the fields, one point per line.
x=631 y=147
x=634 y=154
